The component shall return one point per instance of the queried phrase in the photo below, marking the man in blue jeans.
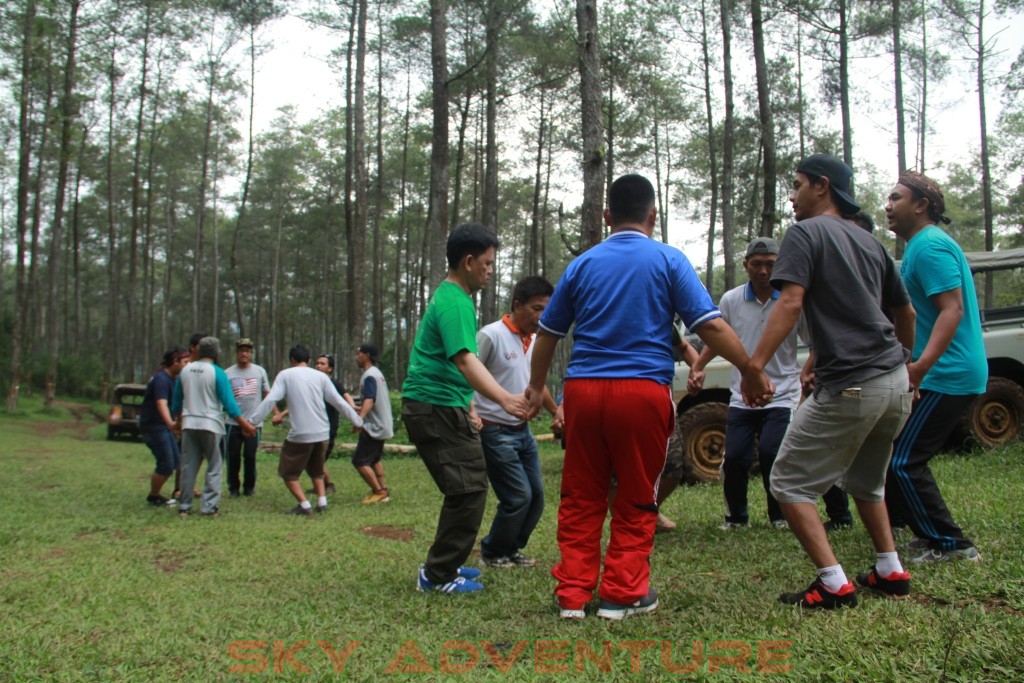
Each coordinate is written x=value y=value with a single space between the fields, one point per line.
x=510 y=451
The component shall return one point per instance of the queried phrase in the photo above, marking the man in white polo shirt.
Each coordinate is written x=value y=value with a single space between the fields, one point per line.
x=510 y=451
x=746 y=309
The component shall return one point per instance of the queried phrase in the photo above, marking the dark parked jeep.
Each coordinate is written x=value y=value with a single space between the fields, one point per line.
x=124 y=410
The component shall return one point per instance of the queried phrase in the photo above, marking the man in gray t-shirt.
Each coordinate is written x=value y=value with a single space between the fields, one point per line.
x=841 y=278
x=250 y=385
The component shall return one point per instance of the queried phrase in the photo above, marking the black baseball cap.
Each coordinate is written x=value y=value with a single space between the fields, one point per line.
x=370 y=350
x=839 y=176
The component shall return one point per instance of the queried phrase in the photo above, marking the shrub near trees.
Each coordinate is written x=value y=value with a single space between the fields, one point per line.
x=138 y=204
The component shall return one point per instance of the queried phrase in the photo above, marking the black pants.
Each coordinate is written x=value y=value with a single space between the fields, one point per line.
x=239 y=449
x=911 y=493
x=450 y=448
x=837 y=506
x=765 y=428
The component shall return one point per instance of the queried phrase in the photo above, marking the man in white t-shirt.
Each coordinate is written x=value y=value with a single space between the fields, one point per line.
x=510 y=451
x=305 y=390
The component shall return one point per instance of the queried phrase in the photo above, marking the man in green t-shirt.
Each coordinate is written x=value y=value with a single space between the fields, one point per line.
x=444 y=371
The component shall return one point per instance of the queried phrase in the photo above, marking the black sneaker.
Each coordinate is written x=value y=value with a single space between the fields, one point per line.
x=521 y=560
x=818 y=597
x=157 y=501
x=301 y=511
x=215 y=512
x=234 y=493
x=321 y=508
x=247 y=492
x=330 y=488
x=896 y=585
x=616 y=612
x=838 y=524
x=503 y=562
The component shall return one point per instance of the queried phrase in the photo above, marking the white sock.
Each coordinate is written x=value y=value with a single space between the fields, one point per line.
x=887 y=563
x=321 y=501
x=305 y=505
x=833 y=577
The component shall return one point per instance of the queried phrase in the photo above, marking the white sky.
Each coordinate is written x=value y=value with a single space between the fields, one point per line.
x=295 y=71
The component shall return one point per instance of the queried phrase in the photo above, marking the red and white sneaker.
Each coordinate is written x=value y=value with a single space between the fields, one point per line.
x=896 y=585
x=818 y=597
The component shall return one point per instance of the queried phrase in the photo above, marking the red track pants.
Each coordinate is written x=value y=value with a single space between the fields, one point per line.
x=620 y=427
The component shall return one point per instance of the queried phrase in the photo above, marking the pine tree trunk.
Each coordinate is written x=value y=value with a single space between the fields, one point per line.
x=437 y=224
x=24 y=152
x=68 y=110
x=728 y=145
x=590 y=113
x=764 y=107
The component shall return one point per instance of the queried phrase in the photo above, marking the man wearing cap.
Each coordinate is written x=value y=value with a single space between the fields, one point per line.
x=249 y=384
x=754 y=430
x=949 y=365
x=200 y=394
x=840 y=277
x=378 y=425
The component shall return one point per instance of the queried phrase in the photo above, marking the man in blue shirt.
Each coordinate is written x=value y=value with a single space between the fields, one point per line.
x=156 y=423
x=949 y=365
x=619 y=298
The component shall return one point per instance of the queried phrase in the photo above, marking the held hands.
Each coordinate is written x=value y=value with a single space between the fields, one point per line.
x=277 y=419
x=534 y=400
x=247 y=429
x=475 y=419
x=695 y=382
x=756 y=387
x=519 y=406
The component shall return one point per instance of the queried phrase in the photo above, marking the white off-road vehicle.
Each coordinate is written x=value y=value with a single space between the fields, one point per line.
x=993 y=419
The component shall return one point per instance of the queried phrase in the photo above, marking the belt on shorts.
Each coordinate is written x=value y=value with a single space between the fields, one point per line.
x=512 y=428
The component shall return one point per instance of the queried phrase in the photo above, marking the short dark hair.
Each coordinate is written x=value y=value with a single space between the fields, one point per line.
x=529 y=287
x=173 y=355
x=329 y=357
x=299 y=354
x=193 y=341
x=470 y=239
x=630 y=199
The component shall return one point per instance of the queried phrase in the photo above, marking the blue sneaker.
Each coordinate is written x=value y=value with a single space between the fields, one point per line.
x=616 y=612
x=459 y=584
x=471 y=573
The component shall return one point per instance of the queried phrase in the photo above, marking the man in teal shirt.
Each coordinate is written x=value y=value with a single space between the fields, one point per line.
x=444 y=371
x=948 y=365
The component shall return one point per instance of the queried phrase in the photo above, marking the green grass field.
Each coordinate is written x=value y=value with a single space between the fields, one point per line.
x=98 y=586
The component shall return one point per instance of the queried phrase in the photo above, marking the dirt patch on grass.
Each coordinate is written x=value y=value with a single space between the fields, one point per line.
x=989 y=603
x=83 y=418
x=393 y=533
x=57 y=552
x=168 y=562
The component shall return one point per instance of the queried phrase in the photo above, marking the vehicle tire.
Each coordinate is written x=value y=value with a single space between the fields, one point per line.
x=700 y=433
x=994 y=418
